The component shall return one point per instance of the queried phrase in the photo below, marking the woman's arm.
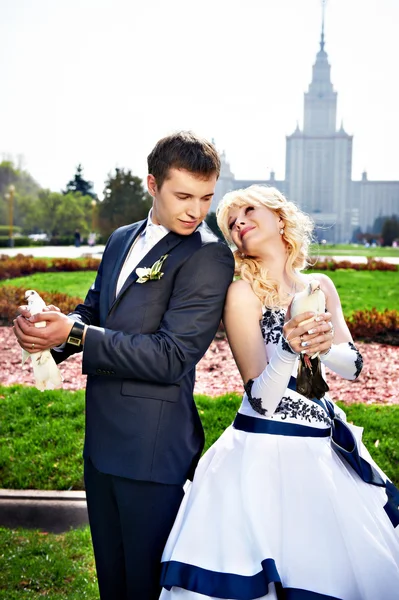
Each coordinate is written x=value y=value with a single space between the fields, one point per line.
x=265 y=383
x=343 y=357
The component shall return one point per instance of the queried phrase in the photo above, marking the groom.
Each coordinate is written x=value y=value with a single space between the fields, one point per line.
x=142 y=334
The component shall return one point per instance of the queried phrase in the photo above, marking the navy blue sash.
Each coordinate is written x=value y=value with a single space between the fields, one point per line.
x=342 y=441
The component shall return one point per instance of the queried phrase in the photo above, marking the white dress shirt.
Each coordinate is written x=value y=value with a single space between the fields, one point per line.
x=151 y=235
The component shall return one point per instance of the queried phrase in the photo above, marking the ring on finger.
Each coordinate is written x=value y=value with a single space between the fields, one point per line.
x=33 y=345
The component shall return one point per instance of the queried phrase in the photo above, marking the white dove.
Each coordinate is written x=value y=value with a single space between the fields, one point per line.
x=47 y=374
x=310 y=381
x=311 y=299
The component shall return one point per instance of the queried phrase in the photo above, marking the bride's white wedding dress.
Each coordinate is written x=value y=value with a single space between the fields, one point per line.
x=275 y=512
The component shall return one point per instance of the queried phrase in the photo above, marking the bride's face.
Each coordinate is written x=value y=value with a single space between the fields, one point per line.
x=252 y=227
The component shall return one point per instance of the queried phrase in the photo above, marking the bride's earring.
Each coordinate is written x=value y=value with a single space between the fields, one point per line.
x=282 y=231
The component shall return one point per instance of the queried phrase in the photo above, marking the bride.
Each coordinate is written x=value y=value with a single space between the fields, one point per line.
x=275 y=509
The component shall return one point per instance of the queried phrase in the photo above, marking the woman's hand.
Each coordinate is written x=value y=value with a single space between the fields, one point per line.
x=309 y=334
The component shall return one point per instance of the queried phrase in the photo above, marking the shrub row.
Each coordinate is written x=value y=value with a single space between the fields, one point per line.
x=12 y=297
x=372 y=264
x=373 y=326
x=5 y=229
x=20 y=242
x=21 y=265
x=365 y=325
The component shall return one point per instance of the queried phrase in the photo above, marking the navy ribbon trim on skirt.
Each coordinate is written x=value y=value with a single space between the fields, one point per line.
x=228 y=585
x=342 y=441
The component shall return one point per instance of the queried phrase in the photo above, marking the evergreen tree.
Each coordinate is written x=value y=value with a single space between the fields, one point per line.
x=213 y=224
x=125 y=201
x=79 y=184
x=390 y=230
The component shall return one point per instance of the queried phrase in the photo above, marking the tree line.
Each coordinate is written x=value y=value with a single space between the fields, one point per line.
x=60 y=214
x=125 y=200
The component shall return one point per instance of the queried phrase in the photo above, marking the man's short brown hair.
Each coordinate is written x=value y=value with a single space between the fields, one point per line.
x=183 y=150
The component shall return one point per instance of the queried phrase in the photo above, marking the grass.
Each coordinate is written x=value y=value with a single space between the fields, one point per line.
x=34 y=565
x=41 y=438
x=358 y=289
x=361 y=290
x=42 y=435
x=353 y=250
x=76 y=283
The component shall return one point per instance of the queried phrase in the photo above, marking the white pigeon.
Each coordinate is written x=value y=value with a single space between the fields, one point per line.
x=47 y=374
x=311 y=299
x=310 y=380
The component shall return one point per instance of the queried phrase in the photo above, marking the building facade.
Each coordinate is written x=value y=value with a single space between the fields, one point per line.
x=318 y=168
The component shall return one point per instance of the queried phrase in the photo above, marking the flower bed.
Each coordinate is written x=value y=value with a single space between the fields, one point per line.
x=217 y=373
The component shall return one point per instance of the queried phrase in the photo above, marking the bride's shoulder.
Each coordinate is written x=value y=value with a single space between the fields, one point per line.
x=240 y=293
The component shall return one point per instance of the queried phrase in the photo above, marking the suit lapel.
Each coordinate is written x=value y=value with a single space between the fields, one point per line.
x=164 y=246
x=130 y=237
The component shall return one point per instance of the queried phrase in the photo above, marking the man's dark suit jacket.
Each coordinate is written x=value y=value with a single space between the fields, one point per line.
x=141 y=350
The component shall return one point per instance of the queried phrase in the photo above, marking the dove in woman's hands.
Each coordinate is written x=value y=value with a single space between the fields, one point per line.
x=47 y=374
x=310 y=381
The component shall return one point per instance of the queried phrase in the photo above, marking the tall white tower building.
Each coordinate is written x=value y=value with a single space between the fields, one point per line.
x=318 y=168
x=319 y=158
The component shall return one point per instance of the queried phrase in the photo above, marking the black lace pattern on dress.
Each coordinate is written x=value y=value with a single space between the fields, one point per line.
x=272 y=325
x=358 y=361
x=256 y=403
x=299 y=409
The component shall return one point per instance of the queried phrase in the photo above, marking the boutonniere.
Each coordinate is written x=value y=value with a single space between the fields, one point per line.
x=151 y=273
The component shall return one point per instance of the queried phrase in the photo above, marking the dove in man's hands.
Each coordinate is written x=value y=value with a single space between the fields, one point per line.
x=46 y=373
x=310 y=382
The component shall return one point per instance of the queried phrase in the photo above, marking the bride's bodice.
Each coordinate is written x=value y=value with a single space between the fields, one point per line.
x=293 y=407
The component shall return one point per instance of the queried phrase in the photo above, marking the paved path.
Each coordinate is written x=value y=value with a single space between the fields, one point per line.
x=56 y=251
x=96 y=252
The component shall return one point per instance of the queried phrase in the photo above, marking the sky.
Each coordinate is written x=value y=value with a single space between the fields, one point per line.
x=98 y=82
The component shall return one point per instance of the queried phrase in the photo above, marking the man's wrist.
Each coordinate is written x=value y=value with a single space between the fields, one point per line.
x=77 y=334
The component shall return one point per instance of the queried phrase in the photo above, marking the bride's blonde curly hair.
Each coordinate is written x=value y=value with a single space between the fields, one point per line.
x=298 y=229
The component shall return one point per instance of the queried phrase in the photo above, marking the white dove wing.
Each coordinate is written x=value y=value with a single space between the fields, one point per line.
x=45 y=371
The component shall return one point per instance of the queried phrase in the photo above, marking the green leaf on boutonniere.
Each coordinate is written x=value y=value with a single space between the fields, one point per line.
x=151 y=273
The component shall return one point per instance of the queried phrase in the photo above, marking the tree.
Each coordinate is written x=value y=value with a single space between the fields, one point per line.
x=390 y=230
x=26 y=191
x=125 y=201
x=212 y=224
x=79 y=184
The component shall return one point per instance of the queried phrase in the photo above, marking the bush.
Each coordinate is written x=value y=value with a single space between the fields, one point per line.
x=12 y=297
x=20 y=242
x=4 y=230
x=372 y=326
x=21 y=265
x=372 y=264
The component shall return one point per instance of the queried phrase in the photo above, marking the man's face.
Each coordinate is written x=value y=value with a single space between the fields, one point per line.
x=183 y=200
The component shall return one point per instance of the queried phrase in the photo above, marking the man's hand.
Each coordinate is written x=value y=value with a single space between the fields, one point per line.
x=35 y=339
x=24 y=311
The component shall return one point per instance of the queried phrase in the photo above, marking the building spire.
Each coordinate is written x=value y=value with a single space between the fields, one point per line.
x=323 y=9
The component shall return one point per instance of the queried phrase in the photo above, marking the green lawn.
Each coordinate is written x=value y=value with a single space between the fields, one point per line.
x=42 y=435
x=352 y=250
x=38 y=565
x=76 y=283
x=358 y=289
x=361 y=290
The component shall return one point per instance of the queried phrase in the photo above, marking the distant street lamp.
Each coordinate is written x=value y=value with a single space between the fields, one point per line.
x=93 y=215
x=10 y=197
